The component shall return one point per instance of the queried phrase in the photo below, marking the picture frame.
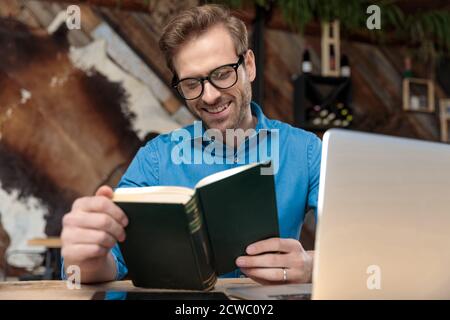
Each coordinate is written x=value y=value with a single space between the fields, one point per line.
x=444 y=106
x=418 y=95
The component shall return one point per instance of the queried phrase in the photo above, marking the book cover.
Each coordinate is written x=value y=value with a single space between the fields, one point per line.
x=181 y=238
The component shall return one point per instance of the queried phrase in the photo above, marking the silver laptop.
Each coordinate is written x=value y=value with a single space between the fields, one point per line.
x=384 y=218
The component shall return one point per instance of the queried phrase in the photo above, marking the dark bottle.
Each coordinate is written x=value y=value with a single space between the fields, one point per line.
x=407 y=73
x=332 y=58
x=306 y=63
x=314 y=115
x=345 y=66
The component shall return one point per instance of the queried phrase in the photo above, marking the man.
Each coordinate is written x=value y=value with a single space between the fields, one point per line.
x=207 y=51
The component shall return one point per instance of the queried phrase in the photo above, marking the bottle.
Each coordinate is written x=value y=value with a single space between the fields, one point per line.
x=306 y=63
x=337 y=123
x=344 y=116
x=407 y=73
x=314 y=115
x=331 y=116
x=324 y=113
x=345 y=66
x=332 y=58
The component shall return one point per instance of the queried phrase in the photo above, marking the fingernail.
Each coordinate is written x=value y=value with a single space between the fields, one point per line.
x=240 y=262
x=125 y=222
x=250 y=249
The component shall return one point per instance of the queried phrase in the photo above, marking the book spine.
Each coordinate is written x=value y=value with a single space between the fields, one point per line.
x=200 y=244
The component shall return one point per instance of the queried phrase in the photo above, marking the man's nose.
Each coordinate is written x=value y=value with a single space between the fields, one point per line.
x=210 y=93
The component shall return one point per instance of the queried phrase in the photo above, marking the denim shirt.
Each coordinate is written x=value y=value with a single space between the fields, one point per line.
x=297 y=154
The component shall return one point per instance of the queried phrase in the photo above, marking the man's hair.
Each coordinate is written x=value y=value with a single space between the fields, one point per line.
x=196 y=21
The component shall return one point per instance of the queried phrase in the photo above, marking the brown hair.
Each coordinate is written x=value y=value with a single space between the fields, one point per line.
x=196 y=21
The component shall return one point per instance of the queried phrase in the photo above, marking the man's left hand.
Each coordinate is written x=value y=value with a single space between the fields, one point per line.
x=277 y=260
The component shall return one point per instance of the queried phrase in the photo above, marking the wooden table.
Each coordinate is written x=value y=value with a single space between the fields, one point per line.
x=57 y=290
x=52 y=255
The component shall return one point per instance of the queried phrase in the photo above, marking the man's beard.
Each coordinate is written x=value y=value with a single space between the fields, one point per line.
x=239 y=113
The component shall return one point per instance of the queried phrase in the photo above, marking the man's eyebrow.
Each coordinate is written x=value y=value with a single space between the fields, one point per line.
x=205 y=75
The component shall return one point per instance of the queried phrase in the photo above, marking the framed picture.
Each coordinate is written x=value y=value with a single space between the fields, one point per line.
x=444 y=106
x=418 y=95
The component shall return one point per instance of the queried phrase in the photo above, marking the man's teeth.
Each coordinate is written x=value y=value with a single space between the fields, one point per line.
x=218 y=109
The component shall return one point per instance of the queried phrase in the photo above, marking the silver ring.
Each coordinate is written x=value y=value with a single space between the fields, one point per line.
x=284 y=274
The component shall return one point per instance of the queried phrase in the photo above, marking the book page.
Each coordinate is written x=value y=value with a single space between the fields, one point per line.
x=157 y=194
x=224 y=174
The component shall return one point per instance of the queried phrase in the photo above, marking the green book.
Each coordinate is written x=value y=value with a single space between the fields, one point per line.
x=182 y=238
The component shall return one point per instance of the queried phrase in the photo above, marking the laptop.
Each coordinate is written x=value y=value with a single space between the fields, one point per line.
x=271 y=292
x=384 y=221
x=384 y=218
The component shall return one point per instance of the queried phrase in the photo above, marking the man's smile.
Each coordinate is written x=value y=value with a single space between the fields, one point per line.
x=218 y=110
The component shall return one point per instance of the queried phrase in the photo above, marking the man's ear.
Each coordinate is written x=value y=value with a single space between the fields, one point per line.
x=250 y=65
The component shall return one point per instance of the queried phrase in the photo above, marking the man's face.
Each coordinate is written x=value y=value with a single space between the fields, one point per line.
x=218 y=108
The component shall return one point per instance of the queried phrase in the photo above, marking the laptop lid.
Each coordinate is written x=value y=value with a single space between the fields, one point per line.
x=384 y=218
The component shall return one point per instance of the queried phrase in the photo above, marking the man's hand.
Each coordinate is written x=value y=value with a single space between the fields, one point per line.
x=90 y=230
x=268 y=260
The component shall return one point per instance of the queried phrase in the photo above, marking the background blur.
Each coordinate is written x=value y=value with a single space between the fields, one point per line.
x=75 y=105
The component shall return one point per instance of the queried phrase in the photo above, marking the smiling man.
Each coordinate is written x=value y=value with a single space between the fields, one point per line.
x=207 y=50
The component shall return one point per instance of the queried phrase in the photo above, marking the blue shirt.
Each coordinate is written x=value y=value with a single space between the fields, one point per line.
x=296 y=174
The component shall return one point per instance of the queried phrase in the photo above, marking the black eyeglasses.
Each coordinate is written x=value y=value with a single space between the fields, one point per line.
x=223 y=77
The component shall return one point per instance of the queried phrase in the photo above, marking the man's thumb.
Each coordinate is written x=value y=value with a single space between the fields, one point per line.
x=105 y=191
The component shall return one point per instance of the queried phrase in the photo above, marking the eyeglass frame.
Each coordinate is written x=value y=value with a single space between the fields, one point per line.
x=235 y=66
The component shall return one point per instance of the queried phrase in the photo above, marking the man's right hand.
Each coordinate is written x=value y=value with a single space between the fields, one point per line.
x=90 y=230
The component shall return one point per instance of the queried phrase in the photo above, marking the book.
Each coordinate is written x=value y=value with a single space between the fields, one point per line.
x=183 y=238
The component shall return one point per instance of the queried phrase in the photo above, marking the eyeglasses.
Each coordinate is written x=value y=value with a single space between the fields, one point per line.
x=223 y=77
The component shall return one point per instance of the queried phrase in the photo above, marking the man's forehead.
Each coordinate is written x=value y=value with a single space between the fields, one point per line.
x=204 y=53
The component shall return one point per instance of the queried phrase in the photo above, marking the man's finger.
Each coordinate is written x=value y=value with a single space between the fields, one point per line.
x=270 y=260
x=88 y=236
x=105 y=191
x=84 y=251
x=274 y=245
x=101 y=204
x=268 y=274
x=96 y=221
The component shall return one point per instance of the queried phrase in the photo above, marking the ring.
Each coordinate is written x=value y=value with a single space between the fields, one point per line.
x=284 y=274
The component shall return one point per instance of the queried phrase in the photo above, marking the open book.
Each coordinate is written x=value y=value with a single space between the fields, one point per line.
x=182 y=238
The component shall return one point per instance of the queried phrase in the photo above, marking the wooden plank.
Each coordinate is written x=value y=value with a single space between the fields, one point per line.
x=118 y=50
x=45 y=13
x=134 y=29
x=58 y=290
x=41 y=12
x=140 y=39
x=51 y=242
x=9 y=8
x=137 y=5
x=14 y=9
